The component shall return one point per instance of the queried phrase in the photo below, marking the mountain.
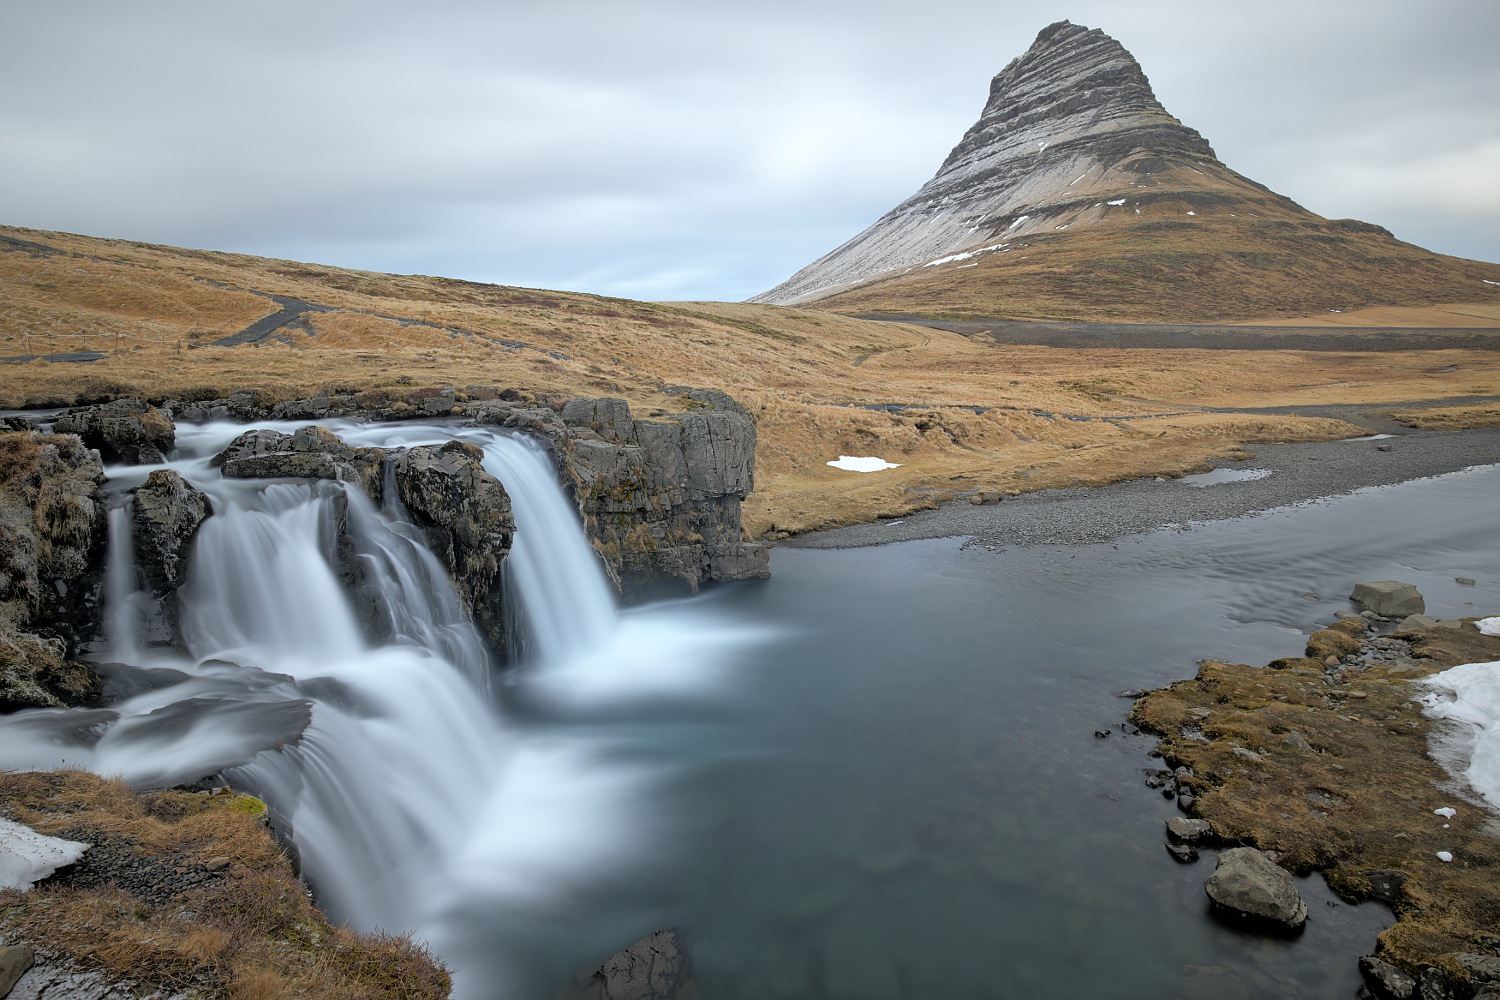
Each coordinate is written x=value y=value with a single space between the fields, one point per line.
x=1076 y=195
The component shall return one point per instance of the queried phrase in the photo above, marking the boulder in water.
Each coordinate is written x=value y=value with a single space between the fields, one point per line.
x=1389 y=598
x=1248 y=885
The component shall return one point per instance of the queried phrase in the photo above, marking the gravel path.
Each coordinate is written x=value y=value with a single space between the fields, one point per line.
x=1298 y=472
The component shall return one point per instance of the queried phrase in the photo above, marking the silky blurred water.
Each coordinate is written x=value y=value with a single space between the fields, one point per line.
x=875 y=775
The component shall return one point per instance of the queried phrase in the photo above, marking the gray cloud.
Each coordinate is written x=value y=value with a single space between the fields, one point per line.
x=674 y=150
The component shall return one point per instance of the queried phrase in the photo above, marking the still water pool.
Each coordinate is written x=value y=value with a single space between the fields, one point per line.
x=897 y=791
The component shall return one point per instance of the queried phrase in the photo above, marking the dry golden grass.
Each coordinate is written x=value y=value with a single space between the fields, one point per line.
x=1448 y=418
x=1448 y=315
x=800 y=371
x=250 y=932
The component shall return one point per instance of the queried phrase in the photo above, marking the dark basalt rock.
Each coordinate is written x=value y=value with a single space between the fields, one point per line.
x=52 y=533
x=661 y=498
x=126 y=430
x=311 y=452
x=650 y=969
x=165 y=517
x=467 y=515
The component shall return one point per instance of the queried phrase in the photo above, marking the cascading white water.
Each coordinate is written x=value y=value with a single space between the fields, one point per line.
x=566 y=600
x=413 y=803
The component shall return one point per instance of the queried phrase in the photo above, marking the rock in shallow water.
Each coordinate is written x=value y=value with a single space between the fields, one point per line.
x=650 y=969
x=1389 y=598
x=1249 y=885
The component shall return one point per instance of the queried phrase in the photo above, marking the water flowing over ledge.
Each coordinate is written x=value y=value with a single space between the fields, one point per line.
x=369 y=722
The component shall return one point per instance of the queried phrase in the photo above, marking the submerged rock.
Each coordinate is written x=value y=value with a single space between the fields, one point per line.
x=126 y=430
x=650 y=969
x=1248 y=885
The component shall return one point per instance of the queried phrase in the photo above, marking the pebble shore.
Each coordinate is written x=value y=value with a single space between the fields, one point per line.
x=1299 y=473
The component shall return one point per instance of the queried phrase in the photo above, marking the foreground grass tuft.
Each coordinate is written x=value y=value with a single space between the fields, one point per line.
x=189 y=893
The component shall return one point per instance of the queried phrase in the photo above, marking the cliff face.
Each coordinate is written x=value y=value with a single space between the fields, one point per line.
x=659 y=499
x=52 y=532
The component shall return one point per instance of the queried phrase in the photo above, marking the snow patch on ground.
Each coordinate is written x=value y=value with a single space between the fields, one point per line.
x=1487 y=281
x=1488 y=626
x=26 y=856
x=1117 y=201
x=853 y=463
x=965 y=255
x=1470 y=695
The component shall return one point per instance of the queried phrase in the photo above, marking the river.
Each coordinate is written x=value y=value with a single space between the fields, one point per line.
x=876 y=775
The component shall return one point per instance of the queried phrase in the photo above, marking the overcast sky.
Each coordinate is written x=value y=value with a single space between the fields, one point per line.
x=668 y=150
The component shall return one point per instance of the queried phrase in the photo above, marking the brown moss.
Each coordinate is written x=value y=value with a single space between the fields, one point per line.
x=1350 y=793
x=249 y=931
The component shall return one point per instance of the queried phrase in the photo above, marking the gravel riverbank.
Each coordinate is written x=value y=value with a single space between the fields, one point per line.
x=1298 y=473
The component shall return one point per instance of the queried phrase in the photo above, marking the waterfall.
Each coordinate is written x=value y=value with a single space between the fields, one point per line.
x=568 y=604
x=121 y=597
x=362 y=713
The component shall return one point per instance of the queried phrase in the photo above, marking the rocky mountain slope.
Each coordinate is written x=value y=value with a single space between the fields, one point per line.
x=1076 y=194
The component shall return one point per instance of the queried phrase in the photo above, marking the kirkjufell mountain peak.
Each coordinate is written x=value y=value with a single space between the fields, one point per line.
x=1074 y=160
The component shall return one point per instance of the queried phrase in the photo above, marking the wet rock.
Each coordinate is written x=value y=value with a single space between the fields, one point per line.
x=1389 y=598
x=1248 y=885
x=52 y=532
x=1190 y=831
x=661 y=498
x=1185 y=853
x=126 y=430
x=311 y=452
x=1415 y=623
x=167 y=512
x=1386 y=981
x=1465 y=581
x=467 y=517
x=650 y=969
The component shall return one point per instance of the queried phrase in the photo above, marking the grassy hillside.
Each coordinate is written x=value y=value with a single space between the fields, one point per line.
x=1177 y=263
x=166 y=322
